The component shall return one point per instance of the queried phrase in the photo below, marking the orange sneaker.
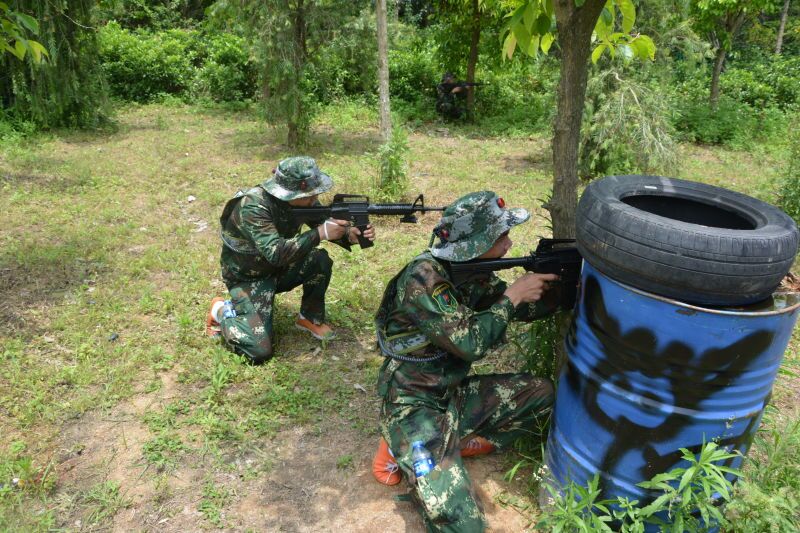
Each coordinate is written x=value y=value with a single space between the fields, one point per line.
x=213 y=328
x=476 y=446
x=384 y=466
x=322 y=332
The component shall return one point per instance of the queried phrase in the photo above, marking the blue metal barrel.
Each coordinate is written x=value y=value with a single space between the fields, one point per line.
x=647 y=376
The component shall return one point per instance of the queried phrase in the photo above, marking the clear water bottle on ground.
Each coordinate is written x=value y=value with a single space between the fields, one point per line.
x=227 y=310
x=421 y=458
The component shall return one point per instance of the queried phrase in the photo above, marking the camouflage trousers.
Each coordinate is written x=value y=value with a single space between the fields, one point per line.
x=449 y=109
x=249 y=333
x=500 y=408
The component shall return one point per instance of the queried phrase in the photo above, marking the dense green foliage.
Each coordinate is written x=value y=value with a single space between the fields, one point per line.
x=67 y=90
x=140 y=65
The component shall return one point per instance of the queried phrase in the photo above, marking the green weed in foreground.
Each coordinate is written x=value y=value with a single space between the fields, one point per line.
x=214 y=499
x=689 y=499
x=767 y=498
x=104 y=500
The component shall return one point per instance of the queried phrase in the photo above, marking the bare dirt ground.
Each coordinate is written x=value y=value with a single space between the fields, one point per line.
x=292 y=482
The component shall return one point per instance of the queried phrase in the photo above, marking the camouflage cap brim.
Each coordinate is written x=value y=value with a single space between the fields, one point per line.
x=282 y=193
x=480 y=244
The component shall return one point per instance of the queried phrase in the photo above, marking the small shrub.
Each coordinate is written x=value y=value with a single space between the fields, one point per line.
x=789 y=197
x=768 y=496
x=628 y=130
x=392 y=156
x=227 y=74
x=140 y=66
x=689 y=500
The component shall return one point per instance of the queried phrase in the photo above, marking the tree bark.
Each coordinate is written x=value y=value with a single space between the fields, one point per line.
x=782 y=27
x=383 y=70
x=719 y=62
x=473 y=56
x=296 y=124
x=575 y=26
x=731 y=25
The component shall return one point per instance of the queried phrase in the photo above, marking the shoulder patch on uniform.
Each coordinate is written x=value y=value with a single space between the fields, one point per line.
x=445 y=299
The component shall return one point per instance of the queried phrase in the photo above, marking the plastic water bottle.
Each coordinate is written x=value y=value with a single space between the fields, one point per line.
x=227 y=310
x=421 y=458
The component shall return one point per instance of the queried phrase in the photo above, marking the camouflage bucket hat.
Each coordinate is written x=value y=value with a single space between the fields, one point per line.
x=471 y=225
x=297 y=177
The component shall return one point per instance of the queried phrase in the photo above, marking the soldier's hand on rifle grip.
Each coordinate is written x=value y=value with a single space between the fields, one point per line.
x=369 y=233
x=332 y=229
x=529 y=288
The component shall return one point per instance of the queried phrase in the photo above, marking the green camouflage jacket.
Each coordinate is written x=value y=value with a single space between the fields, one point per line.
x=259 y=238
x=465 y=321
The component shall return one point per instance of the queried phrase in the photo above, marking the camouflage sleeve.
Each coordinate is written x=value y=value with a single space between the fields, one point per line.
x=257 y=222
x=449 y=324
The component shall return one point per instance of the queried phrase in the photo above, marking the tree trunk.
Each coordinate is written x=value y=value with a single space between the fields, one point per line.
x=731 y=25
x=719 y=62
x=297 y=124
x=383 y=70
x=575 y=26
x=473 y=57
x=782 y=27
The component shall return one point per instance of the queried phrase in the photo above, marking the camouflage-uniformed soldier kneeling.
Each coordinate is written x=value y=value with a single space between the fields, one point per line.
x=450 y=97
x=431 y=331
x=264 y=253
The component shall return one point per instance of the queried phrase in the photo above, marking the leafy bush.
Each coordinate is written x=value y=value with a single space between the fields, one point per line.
x=227 y=74
x=733 y=123
x=392 y=156
x=413 y=70
x=142 y=66
x=768 y=496
x=347 y=65
x=139 y=66
x=789 y=196
x=627 y=128
x=773 y=81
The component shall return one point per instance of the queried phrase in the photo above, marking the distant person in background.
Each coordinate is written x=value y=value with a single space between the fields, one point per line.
x=451 y=97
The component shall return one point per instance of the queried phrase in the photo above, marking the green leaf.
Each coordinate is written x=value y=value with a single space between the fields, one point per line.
x=645 y=47
x=530 y=15
x=20 y=48
x=547 y=5
x=509 y=45
x=523 y=37
x=626 y=51
x=607 y=16
x=543 y=24
x=598 y=52
x=38 y=51
x=533 y=47
x=579 y=3
x=29 y=22
x=547 y=42
x=628 y=11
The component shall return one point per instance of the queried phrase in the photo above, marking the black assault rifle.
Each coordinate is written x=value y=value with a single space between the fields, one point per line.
x=357 y=209
x=552 y=256
x=448 y=87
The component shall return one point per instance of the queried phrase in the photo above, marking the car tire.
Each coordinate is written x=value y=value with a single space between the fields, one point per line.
x=685 y=240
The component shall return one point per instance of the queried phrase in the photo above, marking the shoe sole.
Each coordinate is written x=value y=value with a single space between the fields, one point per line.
x=318 y=337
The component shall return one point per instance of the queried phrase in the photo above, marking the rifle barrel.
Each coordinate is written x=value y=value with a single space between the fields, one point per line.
x=490 y=265
x=399 y=209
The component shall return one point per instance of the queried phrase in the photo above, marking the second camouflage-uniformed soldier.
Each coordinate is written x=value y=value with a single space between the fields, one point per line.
x=431 y=331
x=450 y=97
x=264 y=253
